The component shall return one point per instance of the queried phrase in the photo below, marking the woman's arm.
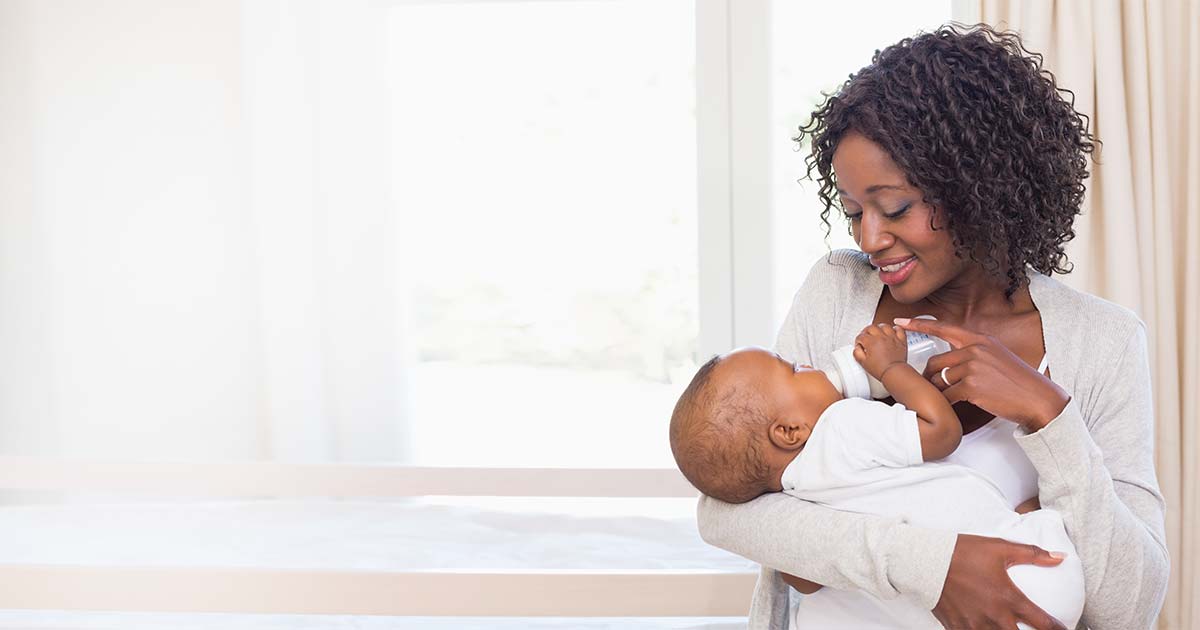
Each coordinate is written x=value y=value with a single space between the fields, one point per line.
x=1096 y=467
x=1095 y=459
x=879 y=555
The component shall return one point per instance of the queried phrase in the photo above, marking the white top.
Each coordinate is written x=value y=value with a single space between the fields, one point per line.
x=865 y=456
x=992 y=449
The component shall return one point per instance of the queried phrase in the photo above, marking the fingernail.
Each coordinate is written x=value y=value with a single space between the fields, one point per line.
x=1057 y=555
x=901 y=321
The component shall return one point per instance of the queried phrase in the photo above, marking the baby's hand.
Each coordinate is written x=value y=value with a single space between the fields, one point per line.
x=878 y=347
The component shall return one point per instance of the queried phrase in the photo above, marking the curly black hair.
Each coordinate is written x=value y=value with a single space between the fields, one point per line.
x=982 y=130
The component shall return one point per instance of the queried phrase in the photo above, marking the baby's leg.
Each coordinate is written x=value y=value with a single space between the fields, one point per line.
x=1057 y=590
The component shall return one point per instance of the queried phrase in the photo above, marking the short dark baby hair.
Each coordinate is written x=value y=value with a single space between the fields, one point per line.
x=714 y=441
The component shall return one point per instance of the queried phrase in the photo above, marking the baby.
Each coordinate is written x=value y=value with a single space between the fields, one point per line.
x=751 y=422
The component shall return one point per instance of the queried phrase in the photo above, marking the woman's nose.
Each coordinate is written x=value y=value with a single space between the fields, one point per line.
x=873 y=237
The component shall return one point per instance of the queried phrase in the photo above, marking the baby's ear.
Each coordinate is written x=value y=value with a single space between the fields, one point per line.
x=789 y=434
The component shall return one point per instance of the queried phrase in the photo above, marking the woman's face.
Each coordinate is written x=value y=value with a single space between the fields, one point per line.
x=891 y=223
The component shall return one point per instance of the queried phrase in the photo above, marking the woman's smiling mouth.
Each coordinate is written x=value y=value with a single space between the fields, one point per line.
x=896 y=271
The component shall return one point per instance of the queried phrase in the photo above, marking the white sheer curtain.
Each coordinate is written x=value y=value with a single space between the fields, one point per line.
x=196 y=247
x=326 y=233
x=1135 y=70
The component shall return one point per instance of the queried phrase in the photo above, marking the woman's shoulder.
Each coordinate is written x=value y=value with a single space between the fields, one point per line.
x=1089 y=337
x=1081 y=312
x=839 y=272
x=846 y=261
x=835 y=291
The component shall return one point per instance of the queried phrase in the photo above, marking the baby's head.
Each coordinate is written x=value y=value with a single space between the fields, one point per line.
x=743 y=419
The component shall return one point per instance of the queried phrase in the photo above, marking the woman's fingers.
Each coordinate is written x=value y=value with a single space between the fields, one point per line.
x=946 y=371
x=978 y=592
x=1037 y=618
x=1027 y=611
x=956 y=393
x=948 y=359
x=957 y=336
x=1032 y=554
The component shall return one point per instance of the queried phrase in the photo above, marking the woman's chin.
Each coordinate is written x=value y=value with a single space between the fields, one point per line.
x=906 y=293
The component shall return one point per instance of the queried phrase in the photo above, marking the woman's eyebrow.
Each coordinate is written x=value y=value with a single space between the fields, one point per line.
x=876 y=188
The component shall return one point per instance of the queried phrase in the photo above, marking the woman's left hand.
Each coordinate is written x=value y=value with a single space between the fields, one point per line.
x=982 y=371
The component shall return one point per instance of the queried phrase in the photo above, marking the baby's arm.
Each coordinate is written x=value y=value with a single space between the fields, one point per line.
x=882 y=350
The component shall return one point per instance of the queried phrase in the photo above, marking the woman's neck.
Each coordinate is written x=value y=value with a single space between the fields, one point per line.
x=975 y=295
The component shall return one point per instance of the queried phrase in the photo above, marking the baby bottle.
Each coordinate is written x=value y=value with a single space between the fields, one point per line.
x=853 y=381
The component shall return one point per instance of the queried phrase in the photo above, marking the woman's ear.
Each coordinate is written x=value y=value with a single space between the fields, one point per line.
x=937 y=218
x=789 y=434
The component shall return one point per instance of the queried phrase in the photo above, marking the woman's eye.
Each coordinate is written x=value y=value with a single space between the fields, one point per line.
x=899 y=212
x=853 y=217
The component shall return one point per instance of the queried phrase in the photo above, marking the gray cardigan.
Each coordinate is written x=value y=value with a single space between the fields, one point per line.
x=1095 y=465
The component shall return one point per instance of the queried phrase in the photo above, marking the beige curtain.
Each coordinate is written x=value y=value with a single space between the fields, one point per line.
x=1134 y=67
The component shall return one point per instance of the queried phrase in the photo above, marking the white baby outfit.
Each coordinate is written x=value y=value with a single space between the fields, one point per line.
x=865 y=456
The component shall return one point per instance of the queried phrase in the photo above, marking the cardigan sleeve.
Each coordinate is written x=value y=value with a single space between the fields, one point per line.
x=879 y=555
x=846 y=550
x=1096 y=467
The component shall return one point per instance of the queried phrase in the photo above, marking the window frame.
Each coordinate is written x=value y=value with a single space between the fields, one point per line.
x=733 y=102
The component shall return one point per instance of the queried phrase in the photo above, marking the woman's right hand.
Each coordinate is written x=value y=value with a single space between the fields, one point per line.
x=978 y=592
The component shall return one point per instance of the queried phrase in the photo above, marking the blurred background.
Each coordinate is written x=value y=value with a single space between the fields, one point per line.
x=441 y=233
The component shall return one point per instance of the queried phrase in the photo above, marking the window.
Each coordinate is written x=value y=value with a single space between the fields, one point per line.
x=453 y=233
x=545 y=178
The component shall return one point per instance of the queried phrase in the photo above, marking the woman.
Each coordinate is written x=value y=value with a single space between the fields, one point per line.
x=960 y=168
